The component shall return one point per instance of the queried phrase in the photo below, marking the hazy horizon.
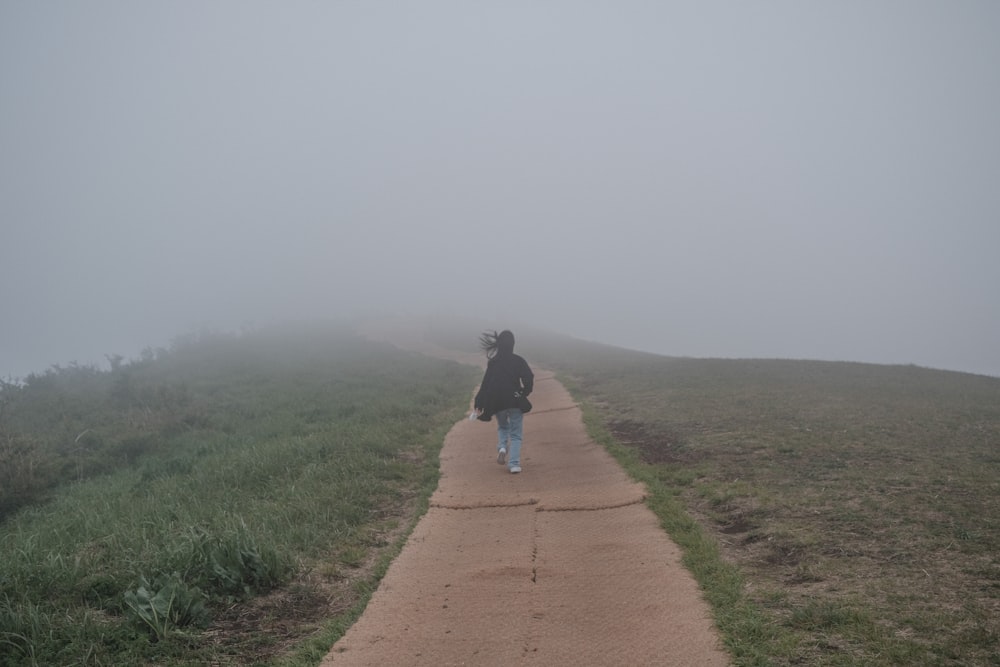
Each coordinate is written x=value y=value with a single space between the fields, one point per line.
x=710 y=179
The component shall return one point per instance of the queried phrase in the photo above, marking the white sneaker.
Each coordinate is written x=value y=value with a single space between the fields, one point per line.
x=502 y=456
x=515 y=469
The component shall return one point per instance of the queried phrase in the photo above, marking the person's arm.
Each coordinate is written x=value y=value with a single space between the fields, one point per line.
x=527 y=379
x=480 y=401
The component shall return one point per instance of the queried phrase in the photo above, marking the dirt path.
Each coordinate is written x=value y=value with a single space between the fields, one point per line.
x=560 y=565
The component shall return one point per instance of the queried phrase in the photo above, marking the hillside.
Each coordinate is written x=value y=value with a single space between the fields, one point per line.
x=833 y=513
x=860 y=503
x=227 y=500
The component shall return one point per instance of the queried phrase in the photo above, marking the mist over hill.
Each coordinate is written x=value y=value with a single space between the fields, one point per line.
x=787 y=180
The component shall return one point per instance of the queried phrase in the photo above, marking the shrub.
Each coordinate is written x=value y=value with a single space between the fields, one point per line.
x=23 y=472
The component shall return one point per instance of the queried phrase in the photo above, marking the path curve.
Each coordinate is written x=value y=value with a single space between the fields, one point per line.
x=562 y=564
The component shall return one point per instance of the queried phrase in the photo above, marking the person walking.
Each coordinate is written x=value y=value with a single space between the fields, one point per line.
x=507 y=381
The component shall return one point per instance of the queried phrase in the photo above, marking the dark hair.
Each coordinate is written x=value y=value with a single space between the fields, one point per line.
x=496 y=343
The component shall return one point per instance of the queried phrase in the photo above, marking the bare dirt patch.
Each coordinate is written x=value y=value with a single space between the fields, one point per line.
x=267 y=626
x=654 y=446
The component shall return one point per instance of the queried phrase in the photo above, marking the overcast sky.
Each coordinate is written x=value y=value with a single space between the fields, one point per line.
x=731 y=179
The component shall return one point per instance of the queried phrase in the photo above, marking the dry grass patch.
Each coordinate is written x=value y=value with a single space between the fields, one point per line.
x=861 y=503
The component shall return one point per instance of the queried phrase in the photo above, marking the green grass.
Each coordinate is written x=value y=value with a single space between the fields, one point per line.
x=245 y=496
x=833 y=513
x=235 y=500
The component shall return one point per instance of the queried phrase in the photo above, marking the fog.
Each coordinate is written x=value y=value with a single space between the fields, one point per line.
x=724 y=179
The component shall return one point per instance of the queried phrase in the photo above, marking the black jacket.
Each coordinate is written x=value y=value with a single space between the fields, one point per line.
x=506 y=374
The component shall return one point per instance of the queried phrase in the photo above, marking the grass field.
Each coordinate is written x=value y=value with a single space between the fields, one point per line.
x=834 y=513
x=232 y=501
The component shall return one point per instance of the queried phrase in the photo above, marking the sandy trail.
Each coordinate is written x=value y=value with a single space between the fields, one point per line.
x=562 y=564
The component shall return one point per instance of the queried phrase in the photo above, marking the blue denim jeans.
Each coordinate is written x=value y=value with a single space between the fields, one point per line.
x=509 y=431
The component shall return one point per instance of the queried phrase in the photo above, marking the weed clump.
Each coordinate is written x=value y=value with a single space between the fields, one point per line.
x=166 y=603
